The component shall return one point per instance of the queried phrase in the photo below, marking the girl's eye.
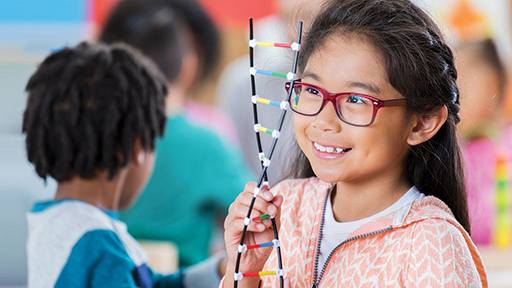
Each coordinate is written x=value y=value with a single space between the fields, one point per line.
x=357 y=100
x=312 y=91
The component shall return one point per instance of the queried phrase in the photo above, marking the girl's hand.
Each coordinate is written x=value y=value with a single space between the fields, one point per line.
x=258 y=232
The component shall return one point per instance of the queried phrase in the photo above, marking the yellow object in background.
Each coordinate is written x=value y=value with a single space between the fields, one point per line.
x=503 y=228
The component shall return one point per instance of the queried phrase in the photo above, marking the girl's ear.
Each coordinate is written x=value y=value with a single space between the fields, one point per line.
x=426 y=126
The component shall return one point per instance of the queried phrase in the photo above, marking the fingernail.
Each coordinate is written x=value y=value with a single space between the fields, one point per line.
x=267 y=195
x=260 y=226
x=271 y=209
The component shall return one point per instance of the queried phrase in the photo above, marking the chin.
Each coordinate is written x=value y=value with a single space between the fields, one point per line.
x=327 y=176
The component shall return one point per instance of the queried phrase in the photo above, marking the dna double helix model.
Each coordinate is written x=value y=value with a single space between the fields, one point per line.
x=262 y=183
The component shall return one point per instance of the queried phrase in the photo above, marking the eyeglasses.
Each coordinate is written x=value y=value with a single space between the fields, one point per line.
x=351 y=108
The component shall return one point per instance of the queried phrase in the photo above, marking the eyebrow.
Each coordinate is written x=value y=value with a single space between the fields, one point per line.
x=310 y=75
x=366 y=86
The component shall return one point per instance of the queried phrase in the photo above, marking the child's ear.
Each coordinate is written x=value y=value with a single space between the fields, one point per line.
x=425 y=126
x=138 y=153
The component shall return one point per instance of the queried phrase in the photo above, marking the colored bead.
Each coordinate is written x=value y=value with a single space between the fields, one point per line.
x=262 y=273
x=264 y=216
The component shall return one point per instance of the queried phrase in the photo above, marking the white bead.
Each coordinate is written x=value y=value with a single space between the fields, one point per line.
x=256 y=191
x=276 y=242
x=252 y=70
x=276 y=134
x=279 y=272
x=255 y=98
x=239 y=276
x=290 y=76
x=295 y=46
x=254 y=42
x=242 y=248
x=284 y=105
x=247 y=221
x=266 y=162
x=256 y=127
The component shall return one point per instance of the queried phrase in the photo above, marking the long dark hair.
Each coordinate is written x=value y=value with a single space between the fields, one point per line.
x=420 y=66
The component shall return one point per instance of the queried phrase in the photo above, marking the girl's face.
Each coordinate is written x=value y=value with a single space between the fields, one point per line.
x=351 y=64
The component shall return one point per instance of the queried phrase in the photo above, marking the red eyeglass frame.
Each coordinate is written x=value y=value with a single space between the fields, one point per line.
x=332 y=97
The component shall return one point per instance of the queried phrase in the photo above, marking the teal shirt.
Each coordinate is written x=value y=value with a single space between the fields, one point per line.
x=197 y=175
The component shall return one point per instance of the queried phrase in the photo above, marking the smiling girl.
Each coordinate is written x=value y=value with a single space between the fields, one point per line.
x=379 y=198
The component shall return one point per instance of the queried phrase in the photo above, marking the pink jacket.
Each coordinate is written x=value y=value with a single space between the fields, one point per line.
x=421 y=245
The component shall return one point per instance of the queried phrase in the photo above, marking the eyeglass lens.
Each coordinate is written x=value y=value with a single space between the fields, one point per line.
x=352 y=108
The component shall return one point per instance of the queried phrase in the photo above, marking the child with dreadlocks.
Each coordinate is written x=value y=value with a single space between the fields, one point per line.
x=91 y=120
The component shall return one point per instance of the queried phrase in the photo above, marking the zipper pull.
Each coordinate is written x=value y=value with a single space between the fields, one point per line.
x=313 y=285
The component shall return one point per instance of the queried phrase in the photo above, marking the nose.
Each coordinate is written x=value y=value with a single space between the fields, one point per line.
x=327 y=120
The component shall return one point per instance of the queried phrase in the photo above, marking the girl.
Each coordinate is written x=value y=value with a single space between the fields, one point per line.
x=380 y=197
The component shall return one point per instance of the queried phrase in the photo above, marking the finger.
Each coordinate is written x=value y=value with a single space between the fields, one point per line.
x=243 y=202
x=249 y=187
x=261 y=206
x=238 y=225
x=278 y=202
x=287 y=283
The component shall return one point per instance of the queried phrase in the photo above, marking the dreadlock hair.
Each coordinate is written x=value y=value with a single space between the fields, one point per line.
x=156 y=28
x=86 y=107
x=420 y=66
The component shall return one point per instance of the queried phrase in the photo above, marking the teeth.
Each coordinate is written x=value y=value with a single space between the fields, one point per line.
x=329 y=149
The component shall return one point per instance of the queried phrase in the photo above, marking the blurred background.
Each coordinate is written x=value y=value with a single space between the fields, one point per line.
x=31 y=29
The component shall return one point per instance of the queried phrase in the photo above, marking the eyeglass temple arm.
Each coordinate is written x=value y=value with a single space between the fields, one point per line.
x=394 y=102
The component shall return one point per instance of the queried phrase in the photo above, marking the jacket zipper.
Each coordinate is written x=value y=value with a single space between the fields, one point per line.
x=316 y=278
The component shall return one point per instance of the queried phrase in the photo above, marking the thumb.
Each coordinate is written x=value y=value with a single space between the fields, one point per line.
x=287 y=283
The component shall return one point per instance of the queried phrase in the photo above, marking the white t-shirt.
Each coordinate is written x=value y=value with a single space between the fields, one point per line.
x=335 y=232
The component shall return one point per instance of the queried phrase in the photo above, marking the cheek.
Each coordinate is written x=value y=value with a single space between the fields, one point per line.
x=300 y=125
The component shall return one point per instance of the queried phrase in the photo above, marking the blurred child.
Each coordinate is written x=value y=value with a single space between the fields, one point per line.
x=482 y=81
x=379 y=199
x=180 y=203
x=92 y=117
x=486 y=143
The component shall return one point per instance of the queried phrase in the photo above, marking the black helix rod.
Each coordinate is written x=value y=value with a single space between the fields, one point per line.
x=263 y=175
